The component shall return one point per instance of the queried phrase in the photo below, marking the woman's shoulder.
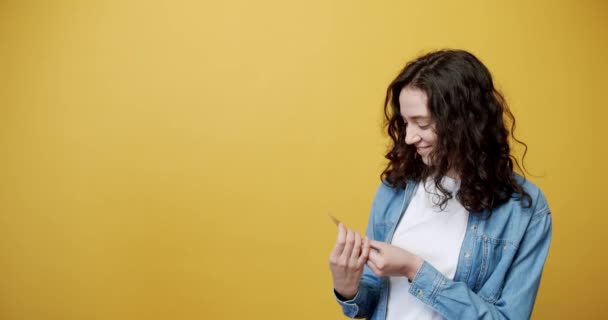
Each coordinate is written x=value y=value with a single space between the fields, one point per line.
x=385 y=192
x=538 y=205
x=387 y=189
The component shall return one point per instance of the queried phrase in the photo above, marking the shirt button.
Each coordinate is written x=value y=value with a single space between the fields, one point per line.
x=467 y=255
x=474 y=227
x=420 y=292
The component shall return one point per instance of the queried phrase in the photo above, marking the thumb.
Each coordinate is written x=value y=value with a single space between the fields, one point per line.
x=376 y=244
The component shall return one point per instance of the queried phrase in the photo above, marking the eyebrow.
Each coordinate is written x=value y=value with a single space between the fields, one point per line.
x=416 y=118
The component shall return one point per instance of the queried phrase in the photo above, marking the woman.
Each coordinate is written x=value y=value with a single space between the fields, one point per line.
x=453 y=232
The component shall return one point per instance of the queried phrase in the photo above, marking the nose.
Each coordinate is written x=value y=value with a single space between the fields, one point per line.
x=411 y=135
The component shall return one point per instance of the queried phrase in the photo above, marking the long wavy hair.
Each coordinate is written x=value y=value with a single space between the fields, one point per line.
x=471 y=120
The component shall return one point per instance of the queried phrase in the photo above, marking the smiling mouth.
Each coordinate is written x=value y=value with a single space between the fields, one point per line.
x=422 y=150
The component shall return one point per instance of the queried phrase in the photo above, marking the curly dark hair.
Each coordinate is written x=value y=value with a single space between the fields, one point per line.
x=472 y=136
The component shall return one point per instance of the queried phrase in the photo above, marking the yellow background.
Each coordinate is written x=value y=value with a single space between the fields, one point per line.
x=177 y=159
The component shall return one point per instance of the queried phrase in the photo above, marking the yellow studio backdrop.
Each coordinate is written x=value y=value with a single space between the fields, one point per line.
x=178 y=159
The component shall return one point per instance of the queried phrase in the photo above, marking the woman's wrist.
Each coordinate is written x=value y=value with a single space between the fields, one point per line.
x=345 y=295
x=413 y=267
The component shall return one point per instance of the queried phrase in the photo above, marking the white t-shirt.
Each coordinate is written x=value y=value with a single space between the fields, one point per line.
x=433 y=234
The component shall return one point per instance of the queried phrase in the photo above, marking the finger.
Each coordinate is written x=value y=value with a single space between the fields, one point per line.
x=341 y=232
x=364 y=252
x=374 y=268
x=357 y=248
x=379 y=245
x=348 y=247
x=340 y=242
x=375 y=257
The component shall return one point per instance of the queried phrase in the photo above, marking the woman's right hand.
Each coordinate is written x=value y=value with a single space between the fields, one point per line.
x=347 y=260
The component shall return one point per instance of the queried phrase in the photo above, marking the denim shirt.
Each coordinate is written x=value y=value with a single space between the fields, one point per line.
x=499 y=266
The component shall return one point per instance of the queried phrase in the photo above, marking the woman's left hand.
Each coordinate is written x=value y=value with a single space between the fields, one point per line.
x=389 y=260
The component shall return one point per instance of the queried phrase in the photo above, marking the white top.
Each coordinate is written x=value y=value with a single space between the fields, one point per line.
x=434 y=235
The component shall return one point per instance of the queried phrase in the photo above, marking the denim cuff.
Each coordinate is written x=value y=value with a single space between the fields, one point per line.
x=349 y=307
x=427 y=284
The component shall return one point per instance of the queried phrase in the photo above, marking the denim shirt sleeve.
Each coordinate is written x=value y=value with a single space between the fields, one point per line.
x=454 y=300
x=365 y=301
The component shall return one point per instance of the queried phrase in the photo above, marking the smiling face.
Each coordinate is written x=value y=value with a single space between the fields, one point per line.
x=420 y=127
